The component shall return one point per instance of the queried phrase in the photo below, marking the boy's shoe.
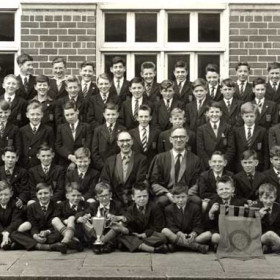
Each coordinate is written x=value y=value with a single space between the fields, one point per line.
x=162 y=249
x=267 y=249
x=7 y=247
x=106 y=249
x=97 y=249
x=75 y=245
x=59 y=247
x=171 y=247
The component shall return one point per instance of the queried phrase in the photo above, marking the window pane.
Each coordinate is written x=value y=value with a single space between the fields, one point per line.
x=204 y=60
x=115 y=27
x=209 y=27
x=172 y=59
x=108 y=61
x=145 y=27
x=7 y=27
x=6 y=67
x=139 y=59
x=178 y=27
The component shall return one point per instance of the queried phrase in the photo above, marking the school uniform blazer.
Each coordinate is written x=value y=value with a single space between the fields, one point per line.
x=274 y=136
x=271 y=177
x=194 y=119
x=247 y=95
x=164 y=144
x=124 y=93
x=208 y=142
x=218 y=96
x=66 y=145
x=270 y=94
x=87 y=184
x=55 y=177
x=162 y=116
x=243 y=187
x=232 y=117
x=186 y=95
x=31 y=92
x=207 y=183
x=10 y=218
x=154 y=95
x=54 y=93
x=38 y=219
x=185 y=222
x=162 y=174
x=18 y=181
x=259 y=144
x=151 y=221
x=269 y=114
x=96 y=108
x=151 y=143
x=92 y=90
x=104 y=145
x=18 y=111
x=112 y=174
x=30 y=143
x=115 y=208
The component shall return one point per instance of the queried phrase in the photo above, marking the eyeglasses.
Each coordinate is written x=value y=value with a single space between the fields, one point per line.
x=124 y=140
x=179 y=137
x=103 y=195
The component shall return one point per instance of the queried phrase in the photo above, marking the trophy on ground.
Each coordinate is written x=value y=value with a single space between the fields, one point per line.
x=98 y=223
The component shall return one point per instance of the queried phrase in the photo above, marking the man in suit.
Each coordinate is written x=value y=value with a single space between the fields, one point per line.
x=212 y=77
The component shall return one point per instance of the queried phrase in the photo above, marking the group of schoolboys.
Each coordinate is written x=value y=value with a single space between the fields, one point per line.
x=156 y=160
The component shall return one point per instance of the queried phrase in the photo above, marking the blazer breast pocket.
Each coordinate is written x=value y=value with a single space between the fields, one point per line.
x=268 y=117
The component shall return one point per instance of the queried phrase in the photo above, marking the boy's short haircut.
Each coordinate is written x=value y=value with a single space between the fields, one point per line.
x=136 y=80
x=118 y=59
x=259 y=81
x=102 y=186
x=242 y=63
x=214 y=104
x=21 y=59
x=148 y=65
x=199 y=83
x=218 y=153
x=226 y=179
x=34 y=104
x=4 y=105
x=72 y=79
x=104 y=76
x=248 y=107
x=44 y=147
x=228 y=83
x=41 y=186
x=42 y=79
x=165 y=84
x=274 y=151
x=141 y=186
x=70 y=105
x=267 y=189
x=111 y=106
x=59 y=59
x=82 y=153
x=177 y=111
x=72 y=186
x=10 y=149
x=181 y=64
x=145 y=107
x=212 y=68
x=273 y=65
x=179 y=188
x=5 y=185
x=249 y=153
x=87 y=63
x=11 y=76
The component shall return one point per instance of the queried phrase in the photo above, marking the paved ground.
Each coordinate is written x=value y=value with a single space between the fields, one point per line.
x=120 y=265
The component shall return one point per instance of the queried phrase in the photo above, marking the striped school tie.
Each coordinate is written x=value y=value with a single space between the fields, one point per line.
x=242 y=88
x=136 y=108
x=144 y=139
x=249 y=137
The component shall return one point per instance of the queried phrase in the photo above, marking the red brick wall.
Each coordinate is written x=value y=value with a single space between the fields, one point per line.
x=48 y=31
x=254 y=36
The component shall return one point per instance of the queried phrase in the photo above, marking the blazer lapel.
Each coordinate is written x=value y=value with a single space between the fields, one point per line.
x=130 y=167
x=118 y=166
x=210 y=130
x=78 y=130
x=233 y=107
x=183 y=166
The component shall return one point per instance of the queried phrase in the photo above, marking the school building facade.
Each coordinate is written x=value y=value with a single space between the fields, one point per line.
x=220 y=33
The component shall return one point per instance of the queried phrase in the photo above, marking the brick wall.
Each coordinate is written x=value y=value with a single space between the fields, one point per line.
x=254 y=36
x=48 y=31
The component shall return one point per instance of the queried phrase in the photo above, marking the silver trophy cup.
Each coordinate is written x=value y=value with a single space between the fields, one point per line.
x=98 y=223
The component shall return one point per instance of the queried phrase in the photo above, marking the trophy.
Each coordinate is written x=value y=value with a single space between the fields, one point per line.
x=98 y=223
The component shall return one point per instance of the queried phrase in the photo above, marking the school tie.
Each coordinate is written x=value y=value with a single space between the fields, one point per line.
x=104 y=97
x=212 y=94
x=25 y=83
x=142 y=210
x=249 y=137
x=125 y=162
x=110 y=128
x=74 y=208
x=8 y=175
x=228 y=105
x=199 y=106
x=168 y=105
x=177 y=167
x=260 y=105
x=46 y=170
x=85 y=89
x=218 y=178
x=34 y=130
x=275 y=87
x=215 y=128
x=1 y=129
x=73 y=99
x=44 y=208
x=250 y=177
x=72 y=128
x=148 y=89
x=9 y=99
x=144 y=139
x=82 y=175
x=118 y=86
x=242 y=88
x=180 y=86
x=136 y=108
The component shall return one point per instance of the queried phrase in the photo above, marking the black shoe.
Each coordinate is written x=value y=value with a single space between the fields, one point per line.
x=76 y=245
x=267 y=249
x=59 y=247
x=171 y=247
x=7 y=247
x=97 y=249
x=106 y=249
x=162 y=249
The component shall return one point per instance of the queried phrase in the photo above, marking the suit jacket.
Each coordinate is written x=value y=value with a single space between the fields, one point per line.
x=244 y=188
x=186 y=222
x=186 y=95
x=18 y=181
x=259 y=144
x=104 y=145
x=54 y=93
x=115 y=208
x=271 y=177
x=66 y=145
x=270 y=94
x=208 y=142
x=55 y=177
x=87 y=184
x=154 y=95
x=247 y=95
x=207 y=183
x=218 y=96
x=31 y=92
x=161 y=173
x=31 y=142
x=92 y=90
x=151 y=221
x=112 y=174
x=274 y=136
x=124 y=93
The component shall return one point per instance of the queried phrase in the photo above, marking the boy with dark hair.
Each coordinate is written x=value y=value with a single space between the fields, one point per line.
x=212 y=77
x=88 y=87
x=272 y=87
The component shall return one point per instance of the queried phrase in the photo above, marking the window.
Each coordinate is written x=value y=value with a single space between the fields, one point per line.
x=163 y=35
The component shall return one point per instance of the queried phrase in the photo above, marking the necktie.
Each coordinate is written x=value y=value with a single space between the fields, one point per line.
x=242 y=88
x=8 y=175
x=25 y=84
x=250 y=177
x=177 y=167
x=218 y=178
x=104 y=98
x=44 y=208
x=85 y=89
x=110 y=128
x=226 y=202
x=199 y=105
x=148 y=89
x=45 y=170
x=34 y=129
x=249 y=137
x=125 y=165
x=1 y=129
x=142 y=210
x=136 y=108
x=228 y=105
x=168 y=105
x=215 y=128
x=73 y=99
x=9 y=99
x=180 y=87
x=275 y=86
x=212 y=94
x=118 y=86
x=144 y=139
x=82 y=175
x=72 y=128
x=74 y=208
x=260 y=105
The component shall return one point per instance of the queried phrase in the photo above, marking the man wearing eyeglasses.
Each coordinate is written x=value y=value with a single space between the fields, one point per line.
x=175 y=166
x=124 y=169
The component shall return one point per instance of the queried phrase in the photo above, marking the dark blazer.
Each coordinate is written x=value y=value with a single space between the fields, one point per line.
x=152 y=220
x=274 y=136
x=31 y=142
x=112 y=174
x=66 y=145
x=54 y=93
x=259 y=144
x=31 y=92
x=244 y=188
x=116 y=208
x=154 y=95
x=207 y=183
x=247 y=95
x=87 y=184
x=104 y=145
x=271 y=177
x=92 y=90
x=270 y=94
x=124 y=93
x=18 y=181
x=186 y=222
x=186 y=95
x=218 y=96
x=55 y=177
